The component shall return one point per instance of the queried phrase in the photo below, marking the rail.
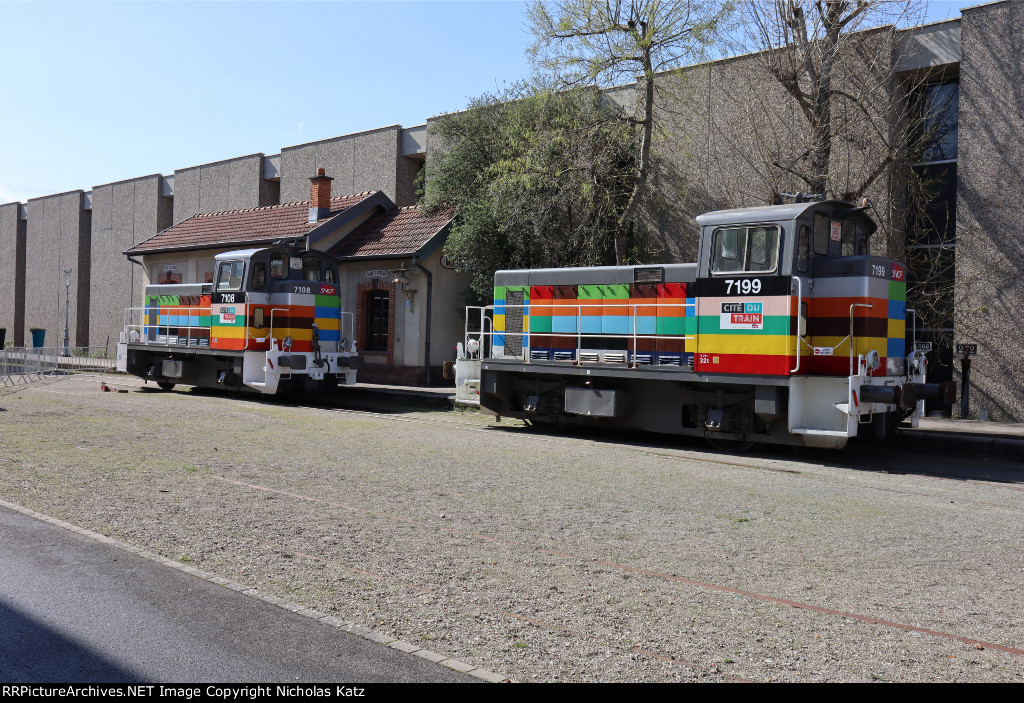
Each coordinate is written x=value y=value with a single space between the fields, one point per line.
x=484 y=333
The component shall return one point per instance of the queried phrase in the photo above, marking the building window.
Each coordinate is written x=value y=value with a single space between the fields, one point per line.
x=378 y=304
x=930 y=228
x=939 y=115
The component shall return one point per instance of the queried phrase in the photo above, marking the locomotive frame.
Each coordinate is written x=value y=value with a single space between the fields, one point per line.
x=785 y=331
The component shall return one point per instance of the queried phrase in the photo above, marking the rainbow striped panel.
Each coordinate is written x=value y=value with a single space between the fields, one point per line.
x=603 y=316
x=183 y=317
x=228 y=326
x=880 y=327
x=747 y=334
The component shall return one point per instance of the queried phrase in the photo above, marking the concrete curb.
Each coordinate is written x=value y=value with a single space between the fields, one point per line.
x=441 y=398
x=968 y=444
x=358 y=630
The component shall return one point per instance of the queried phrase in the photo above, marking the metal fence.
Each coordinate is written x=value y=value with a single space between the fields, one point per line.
x=27 y=364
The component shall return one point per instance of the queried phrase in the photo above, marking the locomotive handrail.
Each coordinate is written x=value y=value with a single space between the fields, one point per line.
x=351 y=328
x=484 y=319
x=143 y=328
x=850 y=336
x=799 y=311
x=913 y=332
x=272 y=338
x=483 y=333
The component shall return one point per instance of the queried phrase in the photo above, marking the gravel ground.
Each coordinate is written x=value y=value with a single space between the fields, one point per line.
x=582 y=558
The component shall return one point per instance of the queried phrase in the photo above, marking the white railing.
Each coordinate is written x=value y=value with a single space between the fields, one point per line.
x=484 y=333
x=27 y=364
x=139 y=330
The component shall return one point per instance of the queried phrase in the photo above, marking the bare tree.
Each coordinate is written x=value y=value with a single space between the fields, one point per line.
x=863 y=112
x=836 y=60
x=606 y=42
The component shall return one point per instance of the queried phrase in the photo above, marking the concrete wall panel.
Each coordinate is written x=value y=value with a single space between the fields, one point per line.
x=57 y=238
x=408 y=170
x=123 y=214
x=357 y=162
x=990 y=215
x=12 y=273
x=234 y=184
x=722 y=129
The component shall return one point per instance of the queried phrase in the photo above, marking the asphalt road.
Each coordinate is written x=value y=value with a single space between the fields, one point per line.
x=76 y=610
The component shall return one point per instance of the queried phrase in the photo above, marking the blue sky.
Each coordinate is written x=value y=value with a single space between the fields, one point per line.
x=100 y=92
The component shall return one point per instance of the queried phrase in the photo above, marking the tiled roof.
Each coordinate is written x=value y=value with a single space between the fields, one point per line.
x=395 y=233
x=258 y=224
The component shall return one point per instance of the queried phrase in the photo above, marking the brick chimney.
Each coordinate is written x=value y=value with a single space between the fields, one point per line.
x=319 y=196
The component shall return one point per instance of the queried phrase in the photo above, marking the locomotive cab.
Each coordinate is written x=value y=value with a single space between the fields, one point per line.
x=784 y=277
x=263 y=297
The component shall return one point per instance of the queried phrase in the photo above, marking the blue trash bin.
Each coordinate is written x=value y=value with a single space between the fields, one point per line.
x=38 y=338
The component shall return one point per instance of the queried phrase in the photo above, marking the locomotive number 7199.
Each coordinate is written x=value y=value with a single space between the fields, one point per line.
x=744 y=286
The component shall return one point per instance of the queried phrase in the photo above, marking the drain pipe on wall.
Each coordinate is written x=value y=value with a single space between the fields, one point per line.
x=430 y=301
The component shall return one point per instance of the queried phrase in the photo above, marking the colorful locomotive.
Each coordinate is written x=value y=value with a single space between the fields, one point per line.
x=785 y=331
x=272 y=319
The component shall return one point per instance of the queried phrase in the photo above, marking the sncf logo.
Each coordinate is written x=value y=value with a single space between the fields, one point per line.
x=897 y=272
x=328 y=290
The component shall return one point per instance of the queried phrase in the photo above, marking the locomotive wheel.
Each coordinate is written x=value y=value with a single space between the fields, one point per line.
x=165 y=385
x=545 y=425
x=734 y=446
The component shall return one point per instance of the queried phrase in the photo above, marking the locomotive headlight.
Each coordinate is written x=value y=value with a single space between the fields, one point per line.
x=288 y=342
x=343 y=344
x=873 y=359
x=473 y=346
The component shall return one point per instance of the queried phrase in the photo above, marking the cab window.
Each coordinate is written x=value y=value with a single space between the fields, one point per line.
x=822 y=233
x=727 y=255
x=259 y=275
x=753 y=249
x=849 y=237
x=803 y=252
x=229 y=275
x=311 y=268
x=279 y=266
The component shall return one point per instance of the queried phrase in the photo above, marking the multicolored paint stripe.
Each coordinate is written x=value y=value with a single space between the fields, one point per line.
x=711 y=325
x=292 y=314
x=746 y=334
x=181 y=317
x=648 y=321
x=881 y=327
